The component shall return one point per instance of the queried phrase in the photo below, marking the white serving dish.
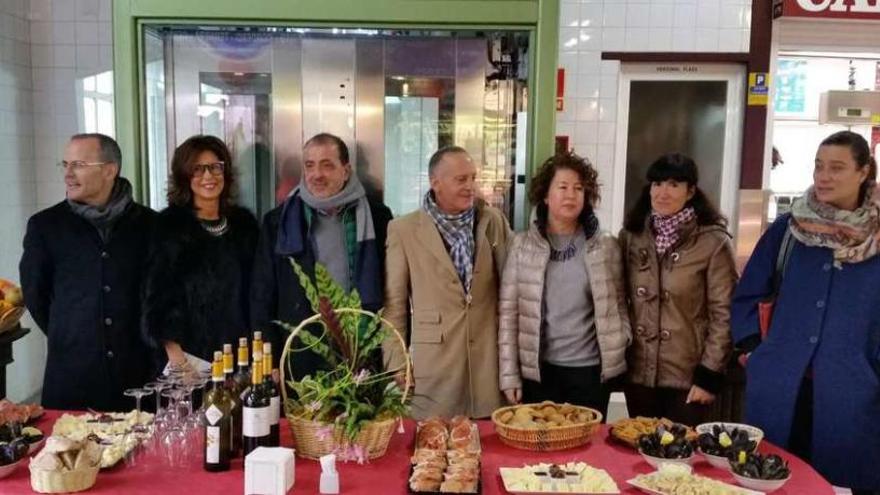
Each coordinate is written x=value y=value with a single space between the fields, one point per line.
x=760 y=485
x=657 y=461
x=755 y=433
x=10 y=468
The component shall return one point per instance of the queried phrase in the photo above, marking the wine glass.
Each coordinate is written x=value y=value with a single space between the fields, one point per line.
x=138 y=393
x=174 y=446
x=157 y=387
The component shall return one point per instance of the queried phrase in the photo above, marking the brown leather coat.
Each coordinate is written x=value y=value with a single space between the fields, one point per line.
x=679 y=307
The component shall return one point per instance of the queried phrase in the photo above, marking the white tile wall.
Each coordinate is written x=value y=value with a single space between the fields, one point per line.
x=590 y=115
x=18 y=188
x=45 y=46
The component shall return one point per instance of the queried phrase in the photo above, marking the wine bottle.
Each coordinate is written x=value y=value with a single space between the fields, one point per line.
x=243 y=375
x=271 y=389
x=235 y=394
x=258 y=342
x=218 y=420
x=255 y=411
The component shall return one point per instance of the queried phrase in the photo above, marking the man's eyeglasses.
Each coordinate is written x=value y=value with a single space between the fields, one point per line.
x=215 y=168
x=78 y=164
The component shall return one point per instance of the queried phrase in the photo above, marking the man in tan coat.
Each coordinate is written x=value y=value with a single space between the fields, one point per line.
x=443 y=266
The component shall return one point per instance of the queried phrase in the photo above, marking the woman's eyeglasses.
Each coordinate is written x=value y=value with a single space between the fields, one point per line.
x=215 y=168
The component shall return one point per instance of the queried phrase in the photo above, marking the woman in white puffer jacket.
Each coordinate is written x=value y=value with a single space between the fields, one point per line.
x=564 y=325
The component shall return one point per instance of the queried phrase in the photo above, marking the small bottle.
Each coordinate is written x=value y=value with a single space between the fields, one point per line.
x=255 y=411
x=218 y=420
x=243 y=375
x=235 y=394
x=271 y=389
x=258 y=342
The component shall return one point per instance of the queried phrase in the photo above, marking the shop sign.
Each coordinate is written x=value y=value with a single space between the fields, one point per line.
x=829 y=9
x=677 y=69
x=759 y=88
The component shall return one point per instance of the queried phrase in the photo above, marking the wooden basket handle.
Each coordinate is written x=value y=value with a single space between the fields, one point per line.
x=317 y=317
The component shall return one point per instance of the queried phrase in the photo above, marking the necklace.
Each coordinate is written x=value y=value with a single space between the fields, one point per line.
x=565 y=253
x=217 y=228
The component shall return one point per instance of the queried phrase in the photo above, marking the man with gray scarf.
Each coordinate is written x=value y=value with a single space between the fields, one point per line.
x=81 y=275
x=443 y=268
x=328 y=219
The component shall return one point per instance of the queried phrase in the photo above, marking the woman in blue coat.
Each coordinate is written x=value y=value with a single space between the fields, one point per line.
x=814 y=381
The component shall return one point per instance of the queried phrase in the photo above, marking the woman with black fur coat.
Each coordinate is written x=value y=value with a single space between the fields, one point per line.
x=197 y=285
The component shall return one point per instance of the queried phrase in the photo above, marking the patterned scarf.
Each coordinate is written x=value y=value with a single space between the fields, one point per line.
x=854 y=236
x=667 y=229
x=458 y=233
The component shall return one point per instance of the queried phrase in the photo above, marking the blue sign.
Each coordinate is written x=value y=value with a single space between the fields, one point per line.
x=791 y=84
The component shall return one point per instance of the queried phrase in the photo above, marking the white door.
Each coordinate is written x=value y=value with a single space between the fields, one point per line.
x=695 y=109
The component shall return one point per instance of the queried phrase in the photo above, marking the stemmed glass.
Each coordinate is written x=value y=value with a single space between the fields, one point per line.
x=138 y=394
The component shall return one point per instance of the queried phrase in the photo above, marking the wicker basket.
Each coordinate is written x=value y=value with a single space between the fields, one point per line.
x=550 y=438
x=311 y=440
x=10 y=318
x=44 y=481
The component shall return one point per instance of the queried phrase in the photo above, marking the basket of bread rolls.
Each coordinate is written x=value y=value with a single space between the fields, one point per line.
x=546 y=426
x=65 y=466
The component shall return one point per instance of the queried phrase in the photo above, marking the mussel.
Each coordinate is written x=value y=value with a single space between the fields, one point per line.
x=667 y=443
x=723 y=442
x=757 y=466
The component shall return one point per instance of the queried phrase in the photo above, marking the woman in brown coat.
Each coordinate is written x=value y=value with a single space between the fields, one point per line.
x=680 y=276
x=564 y=326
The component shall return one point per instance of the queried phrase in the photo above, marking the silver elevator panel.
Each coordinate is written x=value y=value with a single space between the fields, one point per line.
x=394 y=97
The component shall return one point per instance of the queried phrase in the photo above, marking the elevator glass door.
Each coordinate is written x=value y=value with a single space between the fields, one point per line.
x=393 y=96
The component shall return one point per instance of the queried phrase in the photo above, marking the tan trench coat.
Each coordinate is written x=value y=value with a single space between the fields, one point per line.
x=453 y=338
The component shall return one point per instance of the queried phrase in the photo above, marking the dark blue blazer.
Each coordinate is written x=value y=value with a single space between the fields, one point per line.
x=84 y=294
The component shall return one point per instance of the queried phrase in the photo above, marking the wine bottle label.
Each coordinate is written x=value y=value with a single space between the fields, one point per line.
x=213 y=415
x=255 y=422
x=274 y=410
x=212 y=444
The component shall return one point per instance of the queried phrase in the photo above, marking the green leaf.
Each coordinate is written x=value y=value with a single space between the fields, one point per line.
x=306 y=283
x=327 y=287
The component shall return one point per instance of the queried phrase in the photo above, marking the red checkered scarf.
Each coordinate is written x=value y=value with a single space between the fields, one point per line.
x=666 y=229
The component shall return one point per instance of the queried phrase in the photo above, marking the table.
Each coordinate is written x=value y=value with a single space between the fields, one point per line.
x=388 y=474
x=6 y=340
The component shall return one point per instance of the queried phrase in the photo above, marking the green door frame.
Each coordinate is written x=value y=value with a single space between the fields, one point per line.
x=539 y=17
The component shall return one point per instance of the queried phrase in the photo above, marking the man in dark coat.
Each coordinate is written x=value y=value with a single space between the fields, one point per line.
x=328 y=219
x=81 y=276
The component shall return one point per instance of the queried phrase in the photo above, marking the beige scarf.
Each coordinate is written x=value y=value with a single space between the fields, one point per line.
x=854 y=236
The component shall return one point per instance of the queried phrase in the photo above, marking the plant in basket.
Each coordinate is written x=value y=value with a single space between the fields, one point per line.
x=337 y=408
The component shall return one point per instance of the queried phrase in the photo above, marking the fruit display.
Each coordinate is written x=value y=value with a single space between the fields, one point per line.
x=760 y=467
x=667 y=443
x=11 y=304
x=675 y=479
x=446 y=457
x=110 y=429
x=724 y=442
x=543 y=415
x=629 y=430
x=571 y=477
x=11 y=412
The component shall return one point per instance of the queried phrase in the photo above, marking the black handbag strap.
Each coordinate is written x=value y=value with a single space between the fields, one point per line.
x=782 y=260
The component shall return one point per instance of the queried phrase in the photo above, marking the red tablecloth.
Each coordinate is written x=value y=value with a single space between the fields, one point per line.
x=388 y=475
